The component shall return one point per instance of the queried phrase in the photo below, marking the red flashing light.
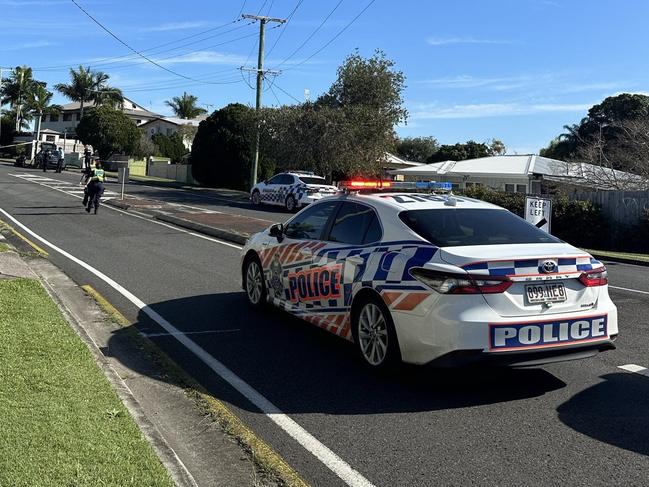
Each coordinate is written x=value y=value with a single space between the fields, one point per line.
x=366 y=184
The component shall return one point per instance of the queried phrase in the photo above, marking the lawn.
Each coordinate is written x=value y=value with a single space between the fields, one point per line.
x=61 y=422
x=620 y=255
x=3 y=247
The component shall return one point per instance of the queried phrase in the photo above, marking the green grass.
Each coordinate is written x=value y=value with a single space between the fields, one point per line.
x=61 y=422
x=3 y=247
x=621 y=255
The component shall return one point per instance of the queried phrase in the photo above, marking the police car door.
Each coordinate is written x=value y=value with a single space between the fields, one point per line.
x=293 y=261
x=270 y=192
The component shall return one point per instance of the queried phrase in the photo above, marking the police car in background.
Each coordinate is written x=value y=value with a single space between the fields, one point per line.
x=431 y=278
x=292 y=190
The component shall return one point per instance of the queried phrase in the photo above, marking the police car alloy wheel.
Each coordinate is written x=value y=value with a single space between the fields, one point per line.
x=254 y=282
x=256 y=198
x=374 y=334
x=290 y=203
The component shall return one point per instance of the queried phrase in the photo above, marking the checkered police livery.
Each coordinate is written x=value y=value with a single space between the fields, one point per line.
x=417 y=292
x=292 y=190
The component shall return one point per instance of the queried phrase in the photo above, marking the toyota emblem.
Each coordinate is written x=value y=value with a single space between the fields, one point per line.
x=549 y=266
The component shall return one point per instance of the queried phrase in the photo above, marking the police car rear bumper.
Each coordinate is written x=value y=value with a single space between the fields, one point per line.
x=468 y=358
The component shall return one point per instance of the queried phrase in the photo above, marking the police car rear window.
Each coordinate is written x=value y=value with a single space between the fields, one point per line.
x=312 y=180
x=454 y=227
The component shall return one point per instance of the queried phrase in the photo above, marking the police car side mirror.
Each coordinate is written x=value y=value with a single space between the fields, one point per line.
x=277 y=231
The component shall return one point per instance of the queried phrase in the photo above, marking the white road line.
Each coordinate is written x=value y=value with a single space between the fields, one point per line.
x=144 y=217
x=636 y=369
x=627 y=289
x=206 y=332
x=336 y=464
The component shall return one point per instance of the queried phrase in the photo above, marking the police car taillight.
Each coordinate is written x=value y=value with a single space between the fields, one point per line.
x=460 y=283
x=596 y=277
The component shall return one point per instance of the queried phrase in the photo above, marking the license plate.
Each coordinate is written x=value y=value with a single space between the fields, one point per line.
x=545 y=293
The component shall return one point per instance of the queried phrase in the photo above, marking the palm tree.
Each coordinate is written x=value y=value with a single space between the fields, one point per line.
x=90 y=86
x=15 y=91
x=185 y=106
x=38 y=102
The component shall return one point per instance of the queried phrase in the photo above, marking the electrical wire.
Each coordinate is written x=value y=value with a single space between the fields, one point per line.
x=109 y=32
x=324 y=21
x=338 y=34
x=288 y=20
x=286 y=92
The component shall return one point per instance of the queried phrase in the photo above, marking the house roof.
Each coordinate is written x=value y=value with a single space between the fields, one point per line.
x=194 y=122
x=513 y=166
x=394 y=161
x=129 y=107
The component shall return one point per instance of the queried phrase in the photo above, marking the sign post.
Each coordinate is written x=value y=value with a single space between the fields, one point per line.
x=538 y=211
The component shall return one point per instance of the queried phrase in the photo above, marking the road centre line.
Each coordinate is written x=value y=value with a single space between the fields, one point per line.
x=627 y=289
x=636 y=369
x=138 y=215
x=336 y=464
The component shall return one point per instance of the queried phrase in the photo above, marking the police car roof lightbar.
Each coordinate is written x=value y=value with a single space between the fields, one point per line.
x=357 y=185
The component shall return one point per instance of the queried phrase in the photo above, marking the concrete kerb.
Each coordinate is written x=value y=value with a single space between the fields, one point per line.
x=228 y=235
x=620 y=260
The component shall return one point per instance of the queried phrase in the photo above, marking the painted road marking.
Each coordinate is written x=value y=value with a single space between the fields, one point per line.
x=141 y=216
x=627 y=289
x=636 y=369
x=310 y=443
x=204 y=332
x=59 y=185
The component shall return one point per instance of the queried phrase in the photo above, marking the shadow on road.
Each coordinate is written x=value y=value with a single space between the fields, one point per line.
x=303 y=369
x=615 y=411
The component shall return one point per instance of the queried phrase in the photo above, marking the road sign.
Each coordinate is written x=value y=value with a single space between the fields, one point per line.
x=538 y=211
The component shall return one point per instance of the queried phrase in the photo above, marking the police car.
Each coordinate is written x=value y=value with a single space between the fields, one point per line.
x=431 y=278
x=291 y=190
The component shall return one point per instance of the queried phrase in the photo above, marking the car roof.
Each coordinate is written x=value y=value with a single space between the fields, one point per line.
x=305 y=174
x=415 y=201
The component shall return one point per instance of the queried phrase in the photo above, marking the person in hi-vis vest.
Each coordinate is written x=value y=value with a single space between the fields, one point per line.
x=95 y=187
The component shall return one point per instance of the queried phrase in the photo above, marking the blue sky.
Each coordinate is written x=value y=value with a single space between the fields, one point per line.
x=517 y=70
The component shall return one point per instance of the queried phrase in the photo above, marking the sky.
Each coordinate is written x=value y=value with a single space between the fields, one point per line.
x=515 y=70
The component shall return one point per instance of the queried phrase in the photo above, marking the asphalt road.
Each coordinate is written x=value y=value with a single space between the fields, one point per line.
x=578 y=423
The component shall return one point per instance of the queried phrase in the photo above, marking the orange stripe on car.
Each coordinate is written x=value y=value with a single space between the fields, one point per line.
x=411 y=301
x=390 y=297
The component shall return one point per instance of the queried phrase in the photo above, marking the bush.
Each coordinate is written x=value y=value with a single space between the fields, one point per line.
x=580 y=223
x=170 y=146
x=109 y=131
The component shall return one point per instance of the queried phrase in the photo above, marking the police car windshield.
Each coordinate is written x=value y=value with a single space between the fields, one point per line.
x=454 y=227
x=312 y=180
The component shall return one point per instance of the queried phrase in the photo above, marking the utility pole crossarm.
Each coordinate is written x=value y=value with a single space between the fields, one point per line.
x=263 y=18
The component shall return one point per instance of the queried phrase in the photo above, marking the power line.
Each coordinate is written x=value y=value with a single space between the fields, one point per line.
x=108 y=31
x=324 y=21
x=288 y=20
x=286 y=92
x=340 y=32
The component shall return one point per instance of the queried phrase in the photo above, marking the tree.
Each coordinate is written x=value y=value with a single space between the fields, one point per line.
x=417 y=149
x=38 y=102
x=90 y=86
x=170 y=146
x=14 y=90
x=460 y=152
x=109 y=131
x=222 y=148
x=348 y=130
x=185 y=106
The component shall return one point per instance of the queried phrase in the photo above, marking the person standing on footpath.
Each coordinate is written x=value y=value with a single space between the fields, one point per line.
x=60 y=158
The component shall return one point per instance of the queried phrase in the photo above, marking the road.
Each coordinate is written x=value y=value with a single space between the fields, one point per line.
x=578 y=423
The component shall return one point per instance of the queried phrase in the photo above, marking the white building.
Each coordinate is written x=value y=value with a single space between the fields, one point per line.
x=171 y=125
x=518 y=174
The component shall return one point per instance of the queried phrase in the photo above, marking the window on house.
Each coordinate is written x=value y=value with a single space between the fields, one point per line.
x=509 y=188
x=50 y=138
x=169 y=132
x=53 y=118
x=521 y=188
x=67 y=117
x=471 y=185
x=455 y=186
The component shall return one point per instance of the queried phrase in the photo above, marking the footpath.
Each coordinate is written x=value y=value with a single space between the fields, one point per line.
x=87 y=400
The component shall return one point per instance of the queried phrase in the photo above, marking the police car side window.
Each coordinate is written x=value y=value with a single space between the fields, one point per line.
x=310 y=224
x=374 y=231
x=287 y=179
x=352 y=223
x=276 y=179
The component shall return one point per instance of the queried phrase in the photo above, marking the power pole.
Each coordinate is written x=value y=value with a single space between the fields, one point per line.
x=263 y=20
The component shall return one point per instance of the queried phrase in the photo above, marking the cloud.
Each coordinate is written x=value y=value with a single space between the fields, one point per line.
x=170 y=26
x=444 y=41
x=27 y=45
x=205 y=57
x=486 y=110
x=466 y=81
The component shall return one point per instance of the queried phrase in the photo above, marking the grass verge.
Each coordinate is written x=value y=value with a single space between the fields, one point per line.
x=262 y=455
x=62 y=423
x=620 y=255
x=3 y=247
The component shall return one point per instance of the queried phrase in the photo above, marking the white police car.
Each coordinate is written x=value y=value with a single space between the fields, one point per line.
x=291 y=190
x=428 y=278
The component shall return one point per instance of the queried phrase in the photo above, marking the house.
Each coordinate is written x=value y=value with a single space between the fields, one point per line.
x=520 y=174
x=171 y=125
x=66 y=121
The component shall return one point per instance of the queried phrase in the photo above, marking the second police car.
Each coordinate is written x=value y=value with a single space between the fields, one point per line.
x=292 y=190
x=429 y=278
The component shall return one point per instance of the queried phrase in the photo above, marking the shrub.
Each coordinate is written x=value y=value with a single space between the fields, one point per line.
x=170 y=146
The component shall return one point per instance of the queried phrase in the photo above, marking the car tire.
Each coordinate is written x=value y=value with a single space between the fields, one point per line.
x=254 y=283
x=256 y=198
x=290 y=204
x=374 y=333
